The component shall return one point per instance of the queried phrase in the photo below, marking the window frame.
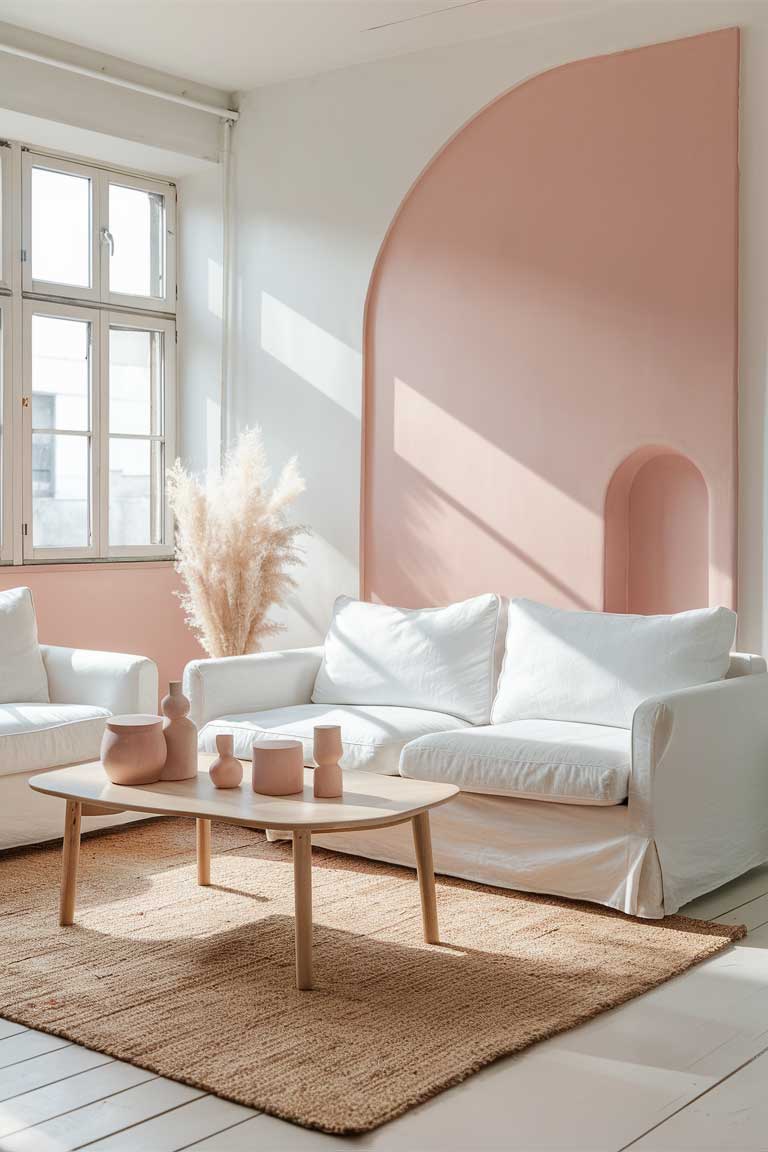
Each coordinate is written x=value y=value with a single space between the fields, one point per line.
x=86 y=315
x=6 y=413
x=21 y=296
x=138 y=321
x=6 y=216
x=29 y=161
x=166 y=302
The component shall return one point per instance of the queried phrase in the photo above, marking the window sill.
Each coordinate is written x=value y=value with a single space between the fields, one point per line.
x=91 y=565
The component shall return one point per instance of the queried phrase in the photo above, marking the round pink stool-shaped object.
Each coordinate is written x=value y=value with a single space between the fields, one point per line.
x=278 y=767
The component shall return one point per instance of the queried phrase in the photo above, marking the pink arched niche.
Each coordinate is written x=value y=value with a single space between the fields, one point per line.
x=558 y=290
x=657 y=538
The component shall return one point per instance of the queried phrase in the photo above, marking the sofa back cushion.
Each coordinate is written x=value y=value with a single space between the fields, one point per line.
x=22 y=672
x=596 y=667
x=439 y=659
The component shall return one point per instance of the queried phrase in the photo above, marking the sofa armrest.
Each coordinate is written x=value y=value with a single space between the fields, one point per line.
x=112 y=680
x=699 y=782
x=251 y=683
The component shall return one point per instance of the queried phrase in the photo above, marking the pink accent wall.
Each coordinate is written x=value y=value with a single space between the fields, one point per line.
x=112 y=607
x=555 y=308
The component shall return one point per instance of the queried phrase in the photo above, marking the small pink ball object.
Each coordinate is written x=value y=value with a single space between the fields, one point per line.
x=278 y=767
x=226 y=771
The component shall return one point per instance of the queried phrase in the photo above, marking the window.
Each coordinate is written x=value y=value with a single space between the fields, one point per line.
x=88 y=401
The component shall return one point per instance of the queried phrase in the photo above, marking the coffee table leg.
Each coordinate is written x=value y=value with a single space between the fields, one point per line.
x=302 y=896
x=203 y=852
x=425 y=869
x=70 y=854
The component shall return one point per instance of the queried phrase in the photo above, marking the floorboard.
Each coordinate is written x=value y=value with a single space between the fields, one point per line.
x=9 y=1029
x=48 y=1069
x=173 y=1131
x=27 y=1044
x=97 y=1120
x=66 y=1095
x=733 y=1115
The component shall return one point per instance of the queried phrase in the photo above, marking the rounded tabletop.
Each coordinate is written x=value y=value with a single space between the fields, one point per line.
x=369 y=800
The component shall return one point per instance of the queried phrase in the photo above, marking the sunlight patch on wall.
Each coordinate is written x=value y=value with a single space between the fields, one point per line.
x=321 y=359
x=212 y=434
x=534 y=517
x=215 y=288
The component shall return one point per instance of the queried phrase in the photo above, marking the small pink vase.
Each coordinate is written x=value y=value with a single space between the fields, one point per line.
x=278 y=767
x=328 y=750
x=133 y=749
x=180 y=736
x=226 y=771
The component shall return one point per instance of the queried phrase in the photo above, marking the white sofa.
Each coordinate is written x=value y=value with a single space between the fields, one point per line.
x=54 y=704
x=617 y=759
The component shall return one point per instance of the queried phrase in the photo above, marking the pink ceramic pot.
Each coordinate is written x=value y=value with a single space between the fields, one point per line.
x=133 y=749
x=278 y=767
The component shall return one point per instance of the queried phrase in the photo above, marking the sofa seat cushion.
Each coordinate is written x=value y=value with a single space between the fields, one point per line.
x=35 y=736
x=565 y=763
x=373 y=737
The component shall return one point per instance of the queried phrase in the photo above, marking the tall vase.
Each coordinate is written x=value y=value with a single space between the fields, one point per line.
x=328 y=749
x=180 y=736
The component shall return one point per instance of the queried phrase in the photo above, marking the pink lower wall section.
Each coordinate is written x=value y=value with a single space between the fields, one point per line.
x=551 y=346
x=112 y=607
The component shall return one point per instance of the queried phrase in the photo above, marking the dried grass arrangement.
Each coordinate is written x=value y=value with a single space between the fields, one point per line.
x=234 y=547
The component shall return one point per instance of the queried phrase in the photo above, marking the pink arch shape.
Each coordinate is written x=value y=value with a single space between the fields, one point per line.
x=557 y=290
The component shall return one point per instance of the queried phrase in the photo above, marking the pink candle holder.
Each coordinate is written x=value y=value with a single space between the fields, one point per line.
x=278 y=767
x=328 y=750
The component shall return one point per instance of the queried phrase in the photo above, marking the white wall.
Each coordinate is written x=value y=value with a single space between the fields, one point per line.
x=35 y=89
x=200 y=318
x=322 y=165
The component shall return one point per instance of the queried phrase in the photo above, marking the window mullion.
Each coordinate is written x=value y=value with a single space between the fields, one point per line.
x=101 y=430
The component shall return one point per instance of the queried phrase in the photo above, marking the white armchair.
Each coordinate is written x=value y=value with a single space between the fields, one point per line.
x=84 y=688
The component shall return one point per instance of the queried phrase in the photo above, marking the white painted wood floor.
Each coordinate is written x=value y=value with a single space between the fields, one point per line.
x=683 y=1068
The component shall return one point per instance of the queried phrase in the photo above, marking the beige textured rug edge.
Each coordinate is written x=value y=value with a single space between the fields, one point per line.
x=338 y=1114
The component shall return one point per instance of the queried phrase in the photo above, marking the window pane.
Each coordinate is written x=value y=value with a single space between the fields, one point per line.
x=60 y=481
x=135 y=382
x=61 y=228
x=60 y=373
x=135 y=492
x=137 y=226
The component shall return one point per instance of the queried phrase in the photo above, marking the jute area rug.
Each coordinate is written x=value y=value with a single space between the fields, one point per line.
x=197 y=983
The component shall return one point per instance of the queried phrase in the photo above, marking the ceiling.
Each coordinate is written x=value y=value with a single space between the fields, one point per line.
x=236 y=45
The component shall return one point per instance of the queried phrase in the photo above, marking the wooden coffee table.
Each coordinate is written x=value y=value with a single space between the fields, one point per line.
x=369 y=801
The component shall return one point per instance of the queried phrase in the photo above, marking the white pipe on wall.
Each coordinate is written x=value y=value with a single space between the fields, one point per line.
x=226 y=289
x=144 y=89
